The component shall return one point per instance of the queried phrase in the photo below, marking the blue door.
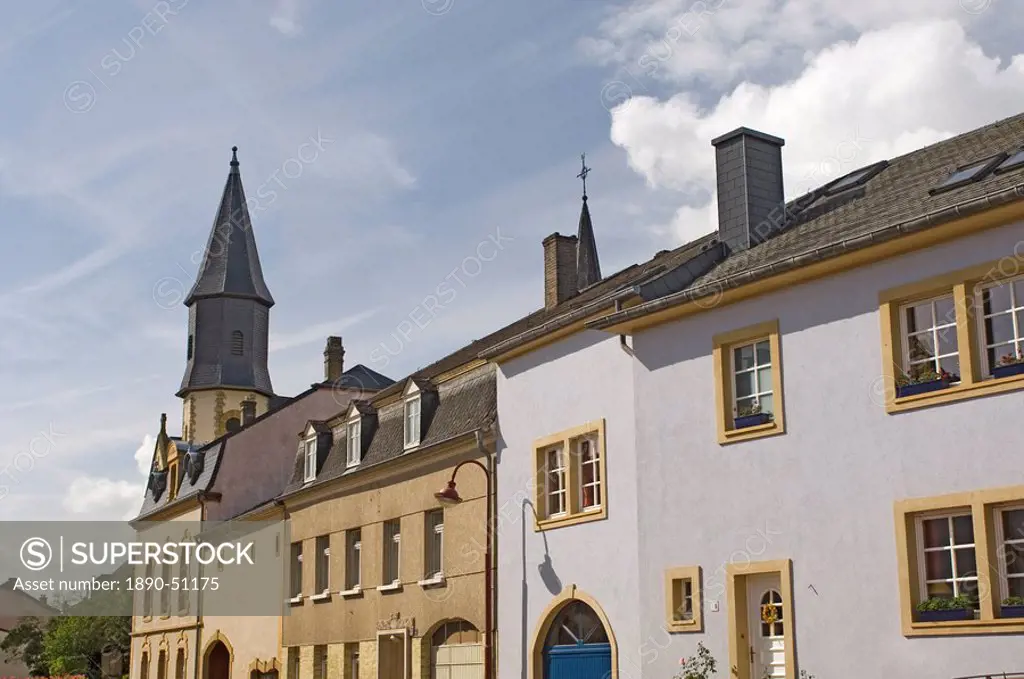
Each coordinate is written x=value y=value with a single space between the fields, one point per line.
x=584 y=661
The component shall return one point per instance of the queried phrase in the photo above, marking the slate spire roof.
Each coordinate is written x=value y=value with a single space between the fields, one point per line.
x=231 y=264
x=588 y=268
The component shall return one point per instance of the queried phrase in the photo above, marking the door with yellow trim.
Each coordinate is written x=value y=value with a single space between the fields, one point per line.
x=766 y=613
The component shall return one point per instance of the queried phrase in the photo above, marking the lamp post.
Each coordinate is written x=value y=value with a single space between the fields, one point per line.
x=450 y=496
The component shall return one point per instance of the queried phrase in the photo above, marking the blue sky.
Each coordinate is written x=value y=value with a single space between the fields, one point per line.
x=441 y=123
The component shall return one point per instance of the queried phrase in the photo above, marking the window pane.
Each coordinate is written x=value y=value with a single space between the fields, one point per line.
x=950 y=364
x=996 y=354
x=767 y=404
x=1018 y=291
x=743 y=405
x=588 y=473
x=945 y=311
x=921 y=347
x=744 y=384
x=1016 y=587
x=764 y=353
x=940 y=589
x=1013 y=524
x=764 y=379
x=966 y=565
x=743 y=357
x=947 y=340
x=936 y=532
x=919 y=317
x=937 y=565
x=1014 y=555
x=968 y=587
x=999 y=329
x=995 y=298
x=963 y=530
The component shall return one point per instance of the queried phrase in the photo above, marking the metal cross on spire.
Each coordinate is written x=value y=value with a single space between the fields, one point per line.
x=583 y=173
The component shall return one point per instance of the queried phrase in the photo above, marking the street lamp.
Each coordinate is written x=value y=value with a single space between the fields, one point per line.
x=450 y=496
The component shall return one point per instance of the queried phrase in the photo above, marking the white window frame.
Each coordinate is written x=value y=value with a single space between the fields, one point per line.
x=935 y=328
x=757 y=388
x=1016 y=305
x=413 y=420
x=595 y=462
x=353 y=560
x=435 y=550
x=1002 y=540
x=309 y=454
x=396 y=560
x=354 y=442
x=563 y=491
x=323 y=560
x=950 y=548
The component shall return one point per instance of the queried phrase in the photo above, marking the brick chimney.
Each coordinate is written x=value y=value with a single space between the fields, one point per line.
x=248 y=412
x=334 y=359
x=560 y=278
x=751 y=202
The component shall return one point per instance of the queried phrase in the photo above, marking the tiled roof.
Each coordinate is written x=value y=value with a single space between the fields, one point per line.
x=894 y=201
x=465 y=404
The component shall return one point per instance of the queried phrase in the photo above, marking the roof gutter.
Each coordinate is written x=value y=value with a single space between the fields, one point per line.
x=886 y=233
x=557 y=323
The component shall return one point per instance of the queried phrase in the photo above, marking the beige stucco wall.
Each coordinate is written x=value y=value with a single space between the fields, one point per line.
x=250 y=639
x=404 y=492
x=204 y=413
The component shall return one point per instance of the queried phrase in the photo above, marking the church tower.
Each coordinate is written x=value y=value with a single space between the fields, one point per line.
x=226 y=379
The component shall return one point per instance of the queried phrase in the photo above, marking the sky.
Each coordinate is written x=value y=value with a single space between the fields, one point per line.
x=388 y=148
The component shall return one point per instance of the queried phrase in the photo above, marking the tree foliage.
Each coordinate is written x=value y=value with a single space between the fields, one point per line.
x=67 y=645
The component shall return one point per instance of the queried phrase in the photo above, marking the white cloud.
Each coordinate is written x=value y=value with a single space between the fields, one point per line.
x=144 y=454
x=99 y=499
x=285 y=18
x=853 y=104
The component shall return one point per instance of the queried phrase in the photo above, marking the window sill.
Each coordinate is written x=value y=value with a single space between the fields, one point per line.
x=959 y=392
x=393 y=587
x=682 y=626
x=347 y=593
x=965 y=627
x=772 y=428
x=571 y=519
x=436 y=581
x=295 y=600
x=323 y=596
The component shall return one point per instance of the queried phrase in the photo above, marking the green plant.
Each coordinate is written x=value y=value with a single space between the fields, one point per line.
x=752 y=408
x=700 y=665
x=804 y=674
x=938 y=603
x=925 y=375
x=1012 y=359
x=1013 y=601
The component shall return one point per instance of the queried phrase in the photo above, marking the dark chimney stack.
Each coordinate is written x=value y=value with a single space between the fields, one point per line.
x=334 y=359
x=248 y=412
x=560 y=277
x=751 y=202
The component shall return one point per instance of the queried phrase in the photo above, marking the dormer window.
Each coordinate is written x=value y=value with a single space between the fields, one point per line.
x=412 y=420
x=354 y=442
x=309 y=452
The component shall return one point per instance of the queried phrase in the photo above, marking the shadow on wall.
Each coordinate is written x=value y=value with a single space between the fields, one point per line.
x=547 y=575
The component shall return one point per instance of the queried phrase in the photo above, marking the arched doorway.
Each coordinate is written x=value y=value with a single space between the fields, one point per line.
x=456 y=651
x=217 y=664
x=577 y=645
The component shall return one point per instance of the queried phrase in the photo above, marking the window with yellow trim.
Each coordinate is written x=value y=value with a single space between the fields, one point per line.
x=954 y=336
x=962 y=562
x=683 y=599
x=748 y=384
x=570 y=482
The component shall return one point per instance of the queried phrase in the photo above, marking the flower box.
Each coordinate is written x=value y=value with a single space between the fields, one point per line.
x=1011 y=611
x=744 y=421
x=921 y=387
x=946 y=615
x=1008 y=370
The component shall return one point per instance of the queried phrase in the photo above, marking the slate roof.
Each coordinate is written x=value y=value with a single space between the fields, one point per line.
x=588 y=266
x=465 y=404
x=893 y=202
x=209 y=454
x=231 y=264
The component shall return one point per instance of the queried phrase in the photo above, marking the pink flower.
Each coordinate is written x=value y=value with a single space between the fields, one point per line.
x=682 y=661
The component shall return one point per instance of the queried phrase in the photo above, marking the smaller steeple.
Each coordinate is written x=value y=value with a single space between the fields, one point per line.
x=588 y=268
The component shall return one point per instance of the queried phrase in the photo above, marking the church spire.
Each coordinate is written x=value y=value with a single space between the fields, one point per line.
x=231 y=264
x=588 y=268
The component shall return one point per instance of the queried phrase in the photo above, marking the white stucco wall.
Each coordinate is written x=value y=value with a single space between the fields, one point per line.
x=583 y=378
x=821 y=494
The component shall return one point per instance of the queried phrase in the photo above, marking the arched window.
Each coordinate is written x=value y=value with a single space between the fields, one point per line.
x=575 y=625
x=456 y=651
x=771 y=614
x=237 y=343
x=161 y=665
x=233 y=424
x=144 y=673
x=179 y=665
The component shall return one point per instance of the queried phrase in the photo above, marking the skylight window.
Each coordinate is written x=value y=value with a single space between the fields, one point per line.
x=855 y=178
x=965 y=174
x=1014 y=162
